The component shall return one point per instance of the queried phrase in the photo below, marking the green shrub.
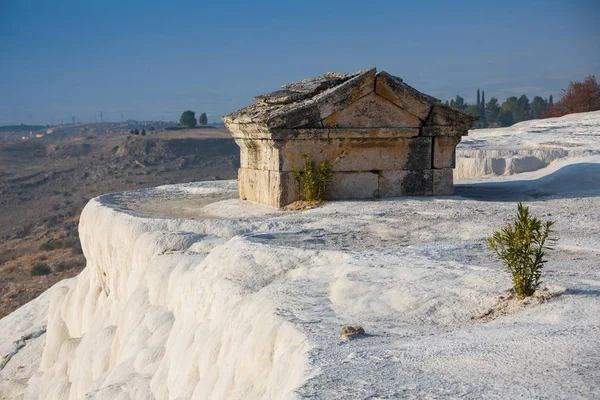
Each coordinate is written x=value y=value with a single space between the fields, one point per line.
x=40 y=268
x=521 y=247
x=52 y=245
x=313 y=180
x=65 y=265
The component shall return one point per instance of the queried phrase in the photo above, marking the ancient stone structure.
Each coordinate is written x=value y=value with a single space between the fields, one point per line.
x=382 y=137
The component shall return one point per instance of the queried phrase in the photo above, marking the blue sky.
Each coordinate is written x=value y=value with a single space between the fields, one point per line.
x=152 y=60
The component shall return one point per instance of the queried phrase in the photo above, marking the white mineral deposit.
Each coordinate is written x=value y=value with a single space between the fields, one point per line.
x=192 y=293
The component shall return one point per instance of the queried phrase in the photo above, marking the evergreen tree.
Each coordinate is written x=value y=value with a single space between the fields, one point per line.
x=483 y=116
x=188 y=119
x=458 y=103
x=202 y=119
x=492 y=109
x=478 y=98
x=505 y=118
x=510 y=104
x=538 y=107
x=523 y=111
x=550 y=102
x=473 y=110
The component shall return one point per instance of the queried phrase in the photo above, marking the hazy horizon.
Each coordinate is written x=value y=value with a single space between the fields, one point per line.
x=152 y=60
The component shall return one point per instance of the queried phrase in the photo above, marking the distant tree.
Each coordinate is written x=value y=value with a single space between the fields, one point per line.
x=483 y=117
x=538 y=107
x=579 y=97
x=458 y=103
x=136 y=131
x=492 y=109
x=582 y=96
x=510 y=104
x=473 y=109
x=523 y=111
x=505 y=118
x=143 y=132
x=202 y=119
x=478 y=98
x=557 y=110
x=188 y=119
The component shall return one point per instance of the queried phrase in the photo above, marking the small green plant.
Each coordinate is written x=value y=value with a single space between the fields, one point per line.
x=313 y=180
x=66 y=265
x=521 y=247
x=40 y=268
x=53 y=244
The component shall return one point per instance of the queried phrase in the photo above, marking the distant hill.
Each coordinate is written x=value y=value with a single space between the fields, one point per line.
x=22 y=128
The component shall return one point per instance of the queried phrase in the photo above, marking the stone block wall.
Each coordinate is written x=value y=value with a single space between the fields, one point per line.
x=381 y=137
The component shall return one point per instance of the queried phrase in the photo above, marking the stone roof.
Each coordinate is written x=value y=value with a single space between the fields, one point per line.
x=306 y=103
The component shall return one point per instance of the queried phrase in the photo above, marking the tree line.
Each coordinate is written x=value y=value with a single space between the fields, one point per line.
x=188 y=119
x=578 y=97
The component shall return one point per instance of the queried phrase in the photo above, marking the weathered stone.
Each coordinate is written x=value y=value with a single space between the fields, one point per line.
x=249 y=131
x=360 y=154
x=348 y=332
x=274 y=189
x=381 y=137
x=404 y=96
x=311 y=85
x=443 y=182
x=353 y=185
x=336 y=75
x=343 y=95
x=281 y=97
x=371 y=111
x=372 y=133
x=299 y=133
x=444 y=149
x=443 y=115
x=260 y=154
x=405 y=183
x=444 y=131
x=296 y=115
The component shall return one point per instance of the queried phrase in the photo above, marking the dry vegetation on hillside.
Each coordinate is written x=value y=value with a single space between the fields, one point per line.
x=44 y=185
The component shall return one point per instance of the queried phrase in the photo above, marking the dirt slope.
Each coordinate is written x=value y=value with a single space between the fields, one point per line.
x=44 y=185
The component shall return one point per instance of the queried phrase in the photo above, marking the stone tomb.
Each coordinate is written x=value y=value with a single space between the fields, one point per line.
x=382 y=138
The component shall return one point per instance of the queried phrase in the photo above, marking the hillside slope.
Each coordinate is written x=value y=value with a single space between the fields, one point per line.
x=44 y=185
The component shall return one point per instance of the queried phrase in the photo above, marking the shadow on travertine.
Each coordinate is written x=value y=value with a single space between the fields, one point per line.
x=575 y=180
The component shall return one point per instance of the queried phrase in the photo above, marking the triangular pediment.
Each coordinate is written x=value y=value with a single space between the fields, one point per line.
x=371 y=111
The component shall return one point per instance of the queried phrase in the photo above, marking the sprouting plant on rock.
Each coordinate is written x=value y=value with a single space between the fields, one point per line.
x=521 y=246
x=314 y=179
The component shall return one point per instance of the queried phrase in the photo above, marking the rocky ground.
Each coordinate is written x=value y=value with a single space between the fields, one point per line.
x=44 y=185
